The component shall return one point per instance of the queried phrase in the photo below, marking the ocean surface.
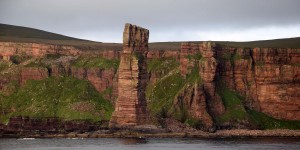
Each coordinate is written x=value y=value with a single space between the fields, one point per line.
x=151 y=144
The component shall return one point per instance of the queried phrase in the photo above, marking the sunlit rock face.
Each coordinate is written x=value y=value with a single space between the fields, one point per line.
x=268 y=78
x=130 y=107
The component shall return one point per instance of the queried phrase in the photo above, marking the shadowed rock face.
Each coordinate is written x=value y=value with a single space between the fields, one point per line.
x=130 y=108
x=201 y=98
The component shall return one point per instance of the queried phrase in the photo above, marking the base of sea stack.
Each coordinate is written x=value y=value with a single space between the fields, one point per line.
x=117 y=124
x=147 y=129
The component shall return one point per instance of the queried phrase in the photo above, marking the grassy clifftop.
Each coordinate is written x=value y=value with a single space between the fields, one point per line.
x=10 y=33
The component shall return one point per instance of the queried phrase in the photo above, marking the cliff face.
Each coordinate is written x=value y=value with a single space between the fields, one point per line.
x=186 y=82
x=101 y=79
x=33 y=74
x=268 y=77
x=260 y=79
x=201 y=99
x=9 y=49
x=33 y=49
x=130 y=108
x=276 y=82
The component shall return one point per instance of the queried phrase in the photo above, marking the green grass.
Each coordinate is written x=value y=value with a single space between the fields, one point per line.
x=17 y=59
x=231 y=57
x=195 y=123
x=67 y=98
x=164 y=92
x=162 y=65
x=53 y=56
x=11 y=33
x=197 y=56
x=38 y=63
x=3 y=65
x=236 y=57
x=99 y=62
x=226 y=57
x=24 y=32
x=235 y=110
x=266 y=122
x=10 y=88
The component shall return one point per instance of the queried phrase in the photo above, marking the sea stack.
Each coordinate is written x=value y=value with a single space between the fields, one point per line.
x=131 y=105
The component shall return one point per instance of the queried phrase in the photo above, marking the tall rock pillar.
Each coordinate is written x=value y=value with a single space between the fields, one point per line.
x=130 y=107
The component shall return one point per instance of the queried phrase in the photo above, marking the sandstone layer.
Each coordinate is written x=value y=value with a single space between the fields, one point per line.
x=130 y=107
x=9 y=49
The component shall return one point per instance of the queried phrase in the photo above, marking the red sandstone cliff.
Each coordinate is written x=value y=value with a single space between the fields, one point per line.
x=130 y=108
x=201 y=99
x=269 y=78
x=8 y=49
x=32 y=73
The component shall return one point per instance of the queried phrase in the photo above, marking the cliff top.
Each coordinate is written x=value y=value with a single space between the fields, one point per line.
x=10 y=33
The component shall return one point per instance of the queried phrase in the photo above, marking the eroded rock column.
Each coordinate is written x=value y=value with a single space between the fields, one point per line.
x=130 y=107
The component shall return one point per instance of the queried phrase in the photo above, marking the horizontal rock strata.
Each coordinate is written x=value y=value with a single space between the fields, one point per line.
x=130 y=107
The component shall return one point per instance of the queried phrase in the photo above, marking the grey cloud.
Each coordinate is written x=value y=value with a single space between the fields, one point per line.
x=106 y=17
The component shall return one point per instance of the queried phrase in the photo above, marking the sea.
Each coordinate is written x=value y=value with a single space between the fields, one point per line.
x=266 y=143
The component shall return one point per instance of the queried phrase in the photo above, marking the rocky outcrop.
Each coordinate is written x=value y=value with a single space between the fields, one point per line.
x=130 y=107
x=32 y=73
x=164 y=54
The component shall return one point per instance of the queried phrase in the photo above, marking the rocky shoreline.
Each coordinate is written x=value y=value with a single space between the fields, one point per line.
x=237 y=133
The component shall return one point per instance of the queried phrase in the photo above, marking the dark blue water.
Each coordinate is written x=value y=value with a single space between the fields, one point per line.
x=151 y=144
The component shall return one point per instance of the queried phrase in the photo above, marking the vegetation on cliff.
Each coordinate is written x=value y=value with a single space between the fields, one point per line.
x=99 y=62
x=235 y=110
x=3 y=65
x=67 y=98
x=162 y=94
x=237 y=113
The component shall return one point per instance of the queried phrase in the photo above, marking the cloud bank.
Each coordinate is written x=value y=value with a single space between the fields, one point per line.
x=167 y=20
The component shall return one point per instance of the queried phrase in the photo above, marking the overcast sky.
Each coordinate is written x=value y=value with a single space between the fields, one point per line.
x=167 y=20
